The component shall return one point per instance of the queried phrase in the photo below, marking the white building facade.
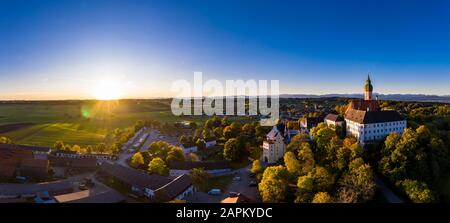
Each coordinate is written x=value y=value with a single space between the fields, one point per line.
x=368 y=123
x=274 y=147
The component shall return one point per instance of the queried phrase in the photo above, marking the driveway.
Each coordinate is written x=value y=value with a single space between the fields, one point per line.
x=387 y=193
x=235 y=186
x=242 y=185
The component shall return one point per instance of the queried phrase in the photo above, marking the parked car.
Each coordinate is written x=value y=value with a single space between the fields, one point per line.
x=251 y=175
x=215 y=192
x=21 y=179
x=237 y=178
x=133 y=196
x=82 y=186
x=252 y=184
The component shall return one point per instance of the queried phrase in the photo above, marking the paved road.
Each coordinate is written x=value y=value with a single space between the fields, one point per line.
x=387 y=193
x=125 y=155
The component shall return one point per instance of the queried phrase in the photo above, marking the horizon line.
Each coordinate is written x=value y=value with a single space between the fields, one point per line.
x=223 y=96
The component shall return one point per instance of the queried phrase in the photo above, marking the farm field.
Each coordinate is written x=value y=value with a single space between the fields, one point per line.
x=82 y=122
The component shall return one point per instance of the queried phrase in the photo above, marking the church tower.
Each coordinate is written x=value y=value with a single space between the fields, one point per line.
x=368 y=88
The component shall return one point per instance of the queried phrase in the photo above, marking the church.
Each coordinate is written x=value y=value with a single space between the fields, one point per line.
x=367 y=122
x=363 y=119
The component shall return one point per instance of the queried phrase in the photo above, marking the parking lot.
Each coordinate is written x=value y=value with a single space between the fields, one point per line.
x=241 y=186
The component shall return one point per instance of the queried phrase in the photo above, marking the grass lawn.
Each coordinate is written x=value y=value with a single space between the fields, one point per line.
x=48 y=134
x=82 y=122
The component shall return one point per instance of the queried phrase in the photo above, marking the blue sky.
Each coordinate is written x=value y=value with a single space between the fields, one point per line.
x=63 y=49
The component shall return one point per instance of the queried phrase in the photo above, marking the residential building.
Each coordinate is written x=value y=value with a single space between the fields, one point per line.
x=34 y=168
x=101 y=157
x=38 y=152
x=8 y=191
x=307 y=123
x=333 y=120
x=189 y=148
x=210 y=143
x=178 y=189
x=138 y=181
x=15 y=160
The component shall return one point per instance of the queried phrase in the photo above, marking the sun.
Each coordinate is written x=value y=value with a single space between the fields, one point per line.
x=108 y=89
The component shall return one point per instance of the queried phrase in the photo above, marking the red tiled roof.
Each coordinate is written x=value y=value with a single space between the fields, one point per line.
x=367 y=117
x=364 y=105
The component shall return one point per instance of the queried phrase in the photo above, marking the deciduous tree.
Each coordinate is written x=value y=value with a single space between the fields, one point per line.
x=157 y=166
x=273 y=185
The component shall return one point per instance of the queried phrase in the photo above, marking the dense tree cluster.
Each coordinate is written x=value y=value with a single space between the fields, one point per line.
x=200 y=179
x=418 y=156
x=328 y=169
x=236 y=138
x=99 y=148
x=157 y=156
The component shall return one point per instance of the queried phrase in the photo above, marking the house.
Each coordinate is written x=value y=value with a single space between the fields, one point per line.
x=7 y=169
x=177 y=168
x=8 y=190
x=36 y=151
x=190 y=148
x=100 y=157
x=139 y=182
x=308 y=123
x=274 y=146
x=239 y=199
x=210 y=142
x=333 y=120
x=34 y=168
x=84 y=164
x=16 y=160
x=178 y=189
x=87 y=196
x=367 y=122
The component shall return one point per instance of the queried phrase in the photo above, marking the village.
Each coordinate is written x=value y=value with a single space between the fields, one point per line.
x=188 y=162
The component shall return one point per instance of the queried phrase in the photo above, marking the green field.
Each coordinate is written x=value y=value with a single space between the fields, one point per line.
x=83 y=123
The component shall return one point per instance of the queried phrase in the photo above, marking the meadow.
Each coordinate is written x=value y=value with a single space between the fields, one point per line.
x=76 y=122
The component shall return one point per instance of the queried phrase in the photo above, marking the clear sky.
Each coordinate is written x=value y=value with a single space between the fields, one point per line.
x=69 y=49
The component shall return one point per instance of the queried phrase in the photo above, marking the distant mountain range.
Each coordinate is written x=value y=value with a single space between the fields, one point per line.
x=394 y=97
